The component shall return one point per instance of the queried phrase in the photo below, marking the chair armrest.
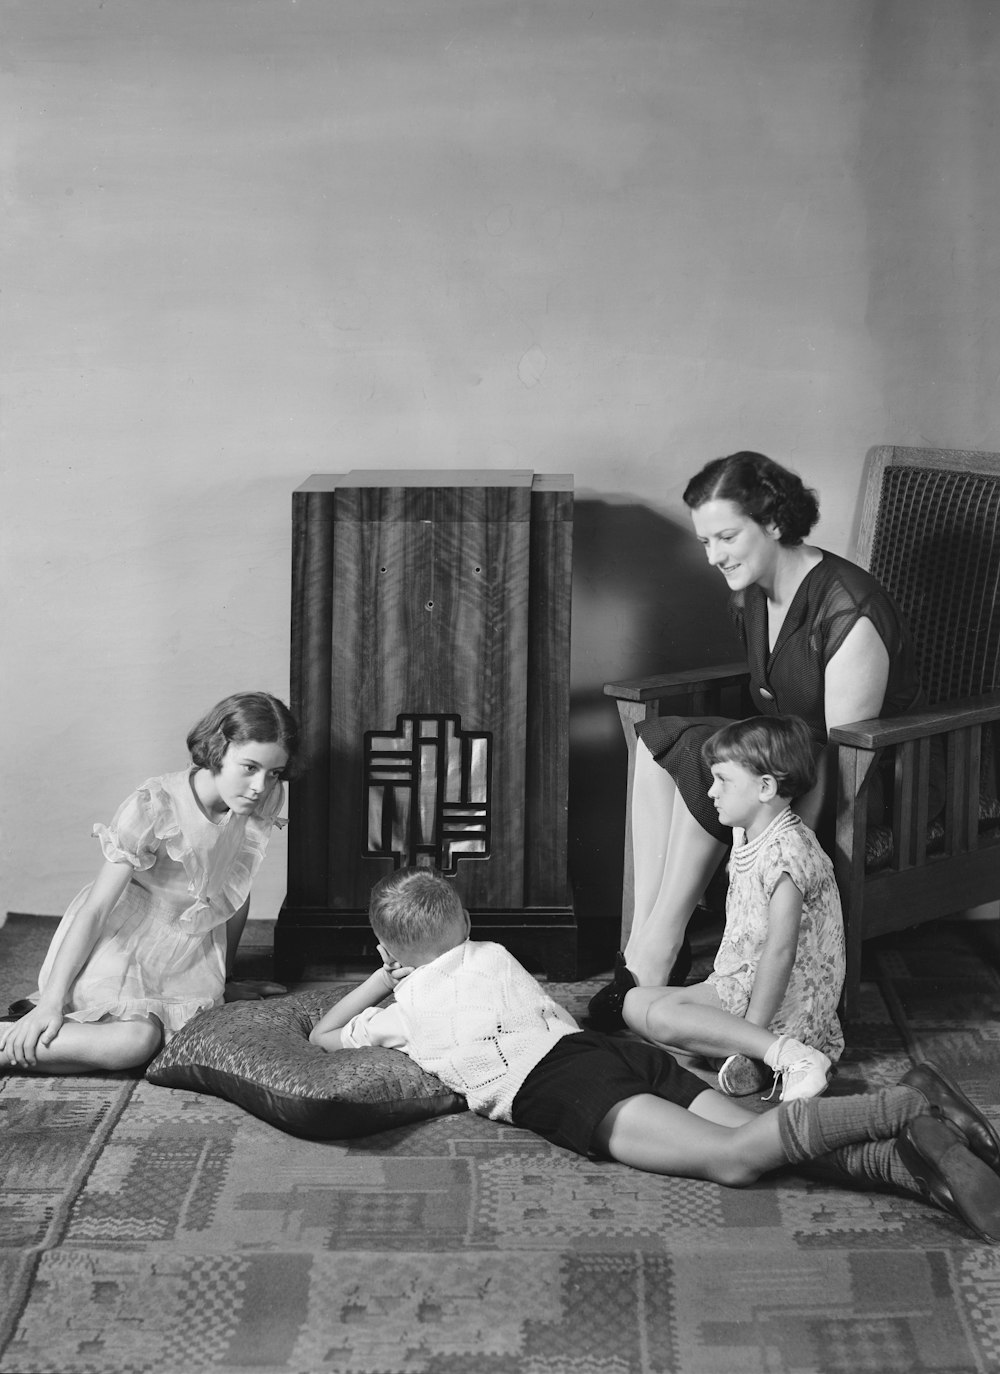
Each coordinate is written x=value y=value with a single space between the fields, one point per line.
x=678 y=684
x=956 y=715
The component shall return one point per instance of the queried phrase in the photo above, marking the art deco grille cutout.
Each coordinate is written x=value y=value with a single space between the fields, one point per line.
x=427 y=792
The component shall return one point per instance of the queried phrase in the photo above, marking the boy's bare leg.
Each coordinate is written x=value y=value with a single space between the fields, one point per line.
x=715 y=1139
x=885 y=1140
x=697 y=1140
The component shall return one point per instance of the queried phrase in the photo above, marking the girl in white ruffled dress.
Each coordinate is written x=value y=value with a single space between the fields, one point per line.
x=152 y=940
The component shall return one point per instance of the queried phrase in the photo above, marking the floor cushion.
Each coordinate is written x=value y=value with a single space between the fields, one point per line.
x=258 y=1055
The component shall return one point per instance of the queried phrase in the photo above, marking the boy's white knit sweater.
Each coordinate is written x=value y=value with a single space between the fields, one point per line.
x=475 y=1018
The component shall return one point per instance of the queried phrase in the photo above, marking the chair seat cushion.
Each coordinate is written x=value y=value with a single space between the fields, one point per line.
x=258 y=1055
x=879 y=842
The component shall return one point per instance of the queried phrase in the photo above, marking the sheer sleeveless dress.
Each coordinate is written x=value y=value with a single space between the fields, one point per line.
x=790 y=679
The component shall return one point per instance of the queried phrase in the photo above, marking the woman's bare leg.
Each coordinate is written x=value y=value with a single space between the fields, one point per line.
x=90 y=1046
x=714 y=1139
x=674 y=860
x=653 y=794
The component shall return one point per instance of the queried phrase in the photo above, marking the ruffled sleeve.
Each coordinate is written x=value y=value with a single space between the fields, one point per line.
x=162 y=820
x=135 y=833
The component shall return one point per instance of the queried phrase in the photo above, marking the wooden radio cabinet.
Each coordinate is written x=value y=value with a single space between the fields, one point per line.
x=430 y=677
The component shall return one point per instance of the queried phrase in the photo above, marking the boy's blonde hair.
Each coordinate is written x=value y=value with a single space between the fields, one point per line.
x=414 y=906
x=780 y=746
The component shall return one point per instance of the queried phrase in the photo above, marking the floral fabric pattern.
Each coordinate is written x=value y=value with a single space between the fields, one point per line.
x=809 y=1008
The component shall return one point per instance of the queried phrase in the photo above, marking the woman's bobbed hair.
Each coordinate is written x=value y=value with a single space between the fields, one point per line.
x=778 y=745
x=237 y=719
x=763 y=490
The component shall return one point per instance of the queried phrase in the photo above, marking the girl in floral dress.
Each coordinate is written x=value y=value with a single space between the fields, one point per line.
x=770 y=1003
x=151 y=941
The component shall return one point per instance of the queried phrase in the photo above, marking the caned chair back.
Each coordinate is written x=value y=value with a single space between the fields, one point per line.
x=930 y=533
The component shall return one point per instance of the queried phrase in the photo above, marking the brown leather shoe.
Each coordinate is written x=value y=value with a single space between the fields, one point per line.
x=950 y=1104
x=950 y=1175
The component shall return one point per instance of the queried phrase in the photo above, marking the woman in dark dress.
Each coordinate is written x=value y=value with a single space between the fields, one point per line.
x=823 y=641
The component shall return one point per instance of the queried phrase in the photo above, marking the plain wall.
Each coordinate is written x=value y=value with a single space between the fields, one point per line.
x=249 y=240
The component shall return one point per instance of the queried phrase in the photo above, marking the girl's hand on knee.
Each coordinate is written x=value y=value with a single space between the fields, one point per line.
x=19 y=1042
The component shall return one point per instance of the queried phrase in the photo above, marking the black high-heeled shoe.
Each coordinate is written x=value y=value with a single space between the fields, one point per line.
x=604 y=1010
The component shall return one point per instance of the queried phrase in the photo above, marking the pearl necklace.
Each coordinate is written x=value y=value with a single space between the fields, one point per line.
x=744 y=857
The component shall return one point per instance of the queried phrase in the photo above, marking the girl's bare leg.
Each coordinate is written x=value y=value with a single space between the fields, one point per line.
x=88 y=1047
x=692 y=1019
x=673 y=859
x=714 y=1139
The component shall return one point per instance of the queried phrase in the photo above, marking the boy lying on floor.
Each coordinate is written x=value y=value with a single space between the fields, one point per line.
x=468 y=1012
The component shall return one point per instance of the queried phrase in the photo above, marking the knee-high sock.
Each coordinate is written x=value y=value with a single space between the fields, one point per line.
x=872 y=1165
x=813 y=1126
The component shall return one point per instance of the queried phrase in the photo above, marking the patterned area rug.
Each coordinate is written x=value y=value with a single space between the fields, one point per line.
x=152 y=1231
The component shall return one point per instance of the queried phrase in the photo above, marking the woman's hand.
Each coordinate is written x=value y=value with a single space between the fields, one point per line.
x=19 y=1042
x=252 y=989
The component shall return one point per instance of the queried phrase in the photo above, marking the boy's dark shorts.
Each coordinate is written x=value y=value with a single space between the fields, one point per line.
x=568 y=1094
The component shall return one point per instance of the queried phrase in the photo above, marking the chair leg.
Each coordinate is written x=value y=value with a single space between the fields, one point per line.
x=850 y=998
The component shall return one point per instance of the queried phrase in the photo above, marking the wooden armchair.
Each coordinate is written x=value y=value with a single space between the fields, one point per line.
x=930 y=533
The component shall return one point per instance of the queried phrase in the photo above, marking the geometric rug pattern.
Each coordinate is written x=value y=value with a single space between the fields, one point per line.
x=148 y=1230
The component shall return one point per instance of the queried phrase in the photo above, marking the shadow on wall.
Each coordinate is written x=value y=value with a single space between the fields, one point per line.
x=644 y=601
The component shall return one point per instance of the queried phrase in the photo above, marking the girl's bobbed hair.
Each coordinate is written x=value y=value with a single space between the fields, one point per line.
x=763 y=490
x=237 y=719
x=778 y=745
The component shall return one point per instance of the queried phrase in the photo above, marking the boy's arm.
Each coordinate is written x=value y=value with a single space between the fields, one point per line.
x=770 y=983
x=326 y=1032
